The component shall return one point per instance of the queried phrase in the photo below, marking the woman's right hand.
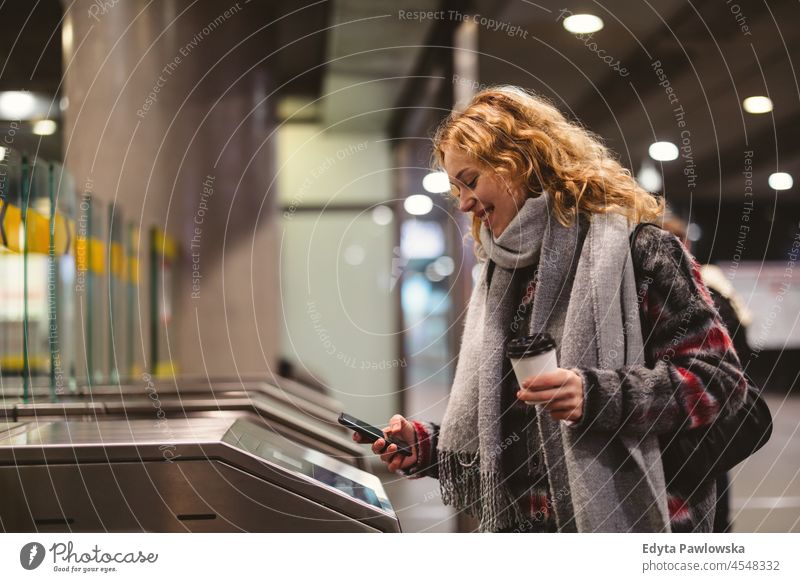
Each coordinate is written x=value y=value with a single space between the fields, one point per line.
x=400 y=428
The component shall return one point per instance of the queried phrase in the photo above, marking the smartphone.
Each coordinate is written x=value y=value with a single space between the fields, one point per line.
x=372 y=434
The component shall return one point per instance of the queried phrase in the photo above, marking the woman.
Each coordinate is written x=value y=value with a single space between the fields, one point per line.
x=641 y=350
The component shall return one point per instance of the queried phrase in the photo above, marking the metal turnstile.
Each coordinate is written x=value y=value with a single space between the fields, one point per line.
x=308 y=426
x=284 y=390
x=287 y=389
x=291 y=388
x=202 y=475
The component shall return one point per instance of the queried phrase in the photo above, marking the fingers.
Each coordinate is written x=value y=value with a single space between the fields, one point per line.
x=396 y=423
x=378 y=446
x=552 y=379
x=392 y=458
x=389 y=454
x=396 y=460
x=542 y=395
x=546 y=395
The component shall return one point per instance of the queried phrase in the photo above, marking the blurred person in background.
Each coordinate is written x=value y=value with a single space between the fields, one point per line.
x=640 y=356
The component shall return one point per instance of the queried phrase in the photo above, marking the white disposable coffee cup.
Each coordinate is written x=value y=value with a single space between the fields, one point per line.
x=531 y=356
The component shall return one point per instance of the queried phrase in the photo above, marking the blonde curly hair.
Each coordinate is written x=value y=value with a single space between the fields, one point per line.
x=527 y=140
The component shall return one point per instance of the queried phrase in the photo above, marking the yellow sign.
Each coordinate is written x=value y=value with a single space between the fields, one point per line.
x=12 y=227
x=90 y=255
x=37 y=230
x=164 y=244
x=117 y=261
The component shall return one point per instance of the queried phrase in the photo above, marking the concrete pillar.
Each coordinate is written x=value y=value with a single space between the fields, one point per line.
x=168 y=118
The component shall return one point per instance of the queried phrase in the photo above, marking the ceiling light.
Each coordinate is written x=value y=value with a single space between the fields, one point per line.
x=16 y=104
x=382 y=215
x=44 y=127
x=583 y=23
x=780 y=181
x=663 y=151
x=421 y=239
x=757 y=104
x=432 y=274
x=444 y=266
x=649 y=177
x=418 y=204
x=67 y=36
x=436 y=183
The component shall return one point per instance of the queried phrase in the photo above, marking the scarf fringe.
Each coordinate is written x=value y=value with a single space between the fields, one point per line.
x=480 y=494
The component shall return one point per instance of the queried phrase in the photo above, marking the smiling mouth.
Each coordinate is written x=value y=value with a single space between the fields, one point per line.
x=484 y=214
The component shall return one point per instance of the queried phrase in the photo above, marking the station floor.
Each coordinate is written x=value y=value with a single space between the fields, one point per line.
x=765 y=488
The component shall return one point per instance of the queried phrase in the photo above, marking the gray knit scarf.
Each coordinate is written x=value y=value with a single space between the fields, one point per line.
x=586 y=298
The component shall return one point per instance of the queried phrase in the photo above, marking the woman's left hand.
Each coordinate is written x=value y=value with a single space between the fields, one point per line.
x=560 y=391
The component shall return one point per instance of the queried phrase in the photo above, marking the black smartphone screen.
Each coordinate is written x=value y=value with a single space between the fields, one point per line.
x=373 y=433
x=369 y=432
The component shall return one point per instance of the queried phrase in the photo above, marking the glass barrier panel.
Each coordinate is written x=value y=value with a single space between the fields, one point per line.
x=163 y=254
x=117 y=320
x=134 y=359
x=90 y=288
x=36 y=217
x=62 y=286
x=12 y=291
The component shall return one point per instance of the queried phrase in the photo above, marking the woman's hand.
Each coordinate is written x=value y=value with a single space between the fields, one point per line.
x=560 y=391
x=400 y=428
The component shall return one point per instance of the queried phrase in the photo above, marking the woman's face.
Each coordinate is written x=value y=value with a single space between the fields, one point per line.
x=482 y=191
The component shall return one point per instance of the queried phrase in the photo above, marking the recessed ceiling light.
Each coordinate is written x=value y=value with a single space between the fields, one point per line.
x=436 y=182
x=649 y=177
x=382 y=215
x=663 y=151
x=757 y=104
x=44 y=127
x=583 y=23
x=444 y=266
x=432 y=274
x=418 y=204
x=16 y=104
x=780 y=181
x=694 y=232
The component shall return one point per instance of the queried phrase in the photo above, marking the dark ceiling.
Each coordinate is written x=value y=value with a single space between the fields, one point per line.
x=30 y=45
x=30 y=59
x=31 y=56
x=711 y=63
x=710 y=55
x=713 y=54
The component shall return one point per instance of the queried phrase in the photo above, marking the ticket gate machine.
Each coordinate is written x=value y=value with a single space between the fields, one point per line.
x=318 y=431
x=197 y=474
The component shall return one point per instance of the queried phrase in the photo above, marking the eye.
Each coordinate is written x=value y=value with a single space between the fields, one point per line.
x=473 y=183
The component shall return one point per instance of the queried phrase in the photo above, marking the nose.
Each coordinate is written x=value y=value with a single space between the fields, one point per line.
x=466 y=202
